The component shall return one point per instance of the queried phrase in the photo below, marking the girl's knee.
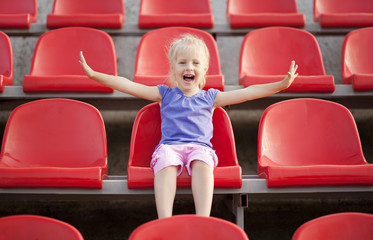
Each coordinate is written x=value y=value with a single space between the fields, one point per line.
x=167 y=171
x=198 y=164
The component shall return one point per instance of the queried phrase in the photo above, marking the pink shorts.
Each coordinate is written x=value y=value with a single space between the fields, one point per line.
x=182 y=155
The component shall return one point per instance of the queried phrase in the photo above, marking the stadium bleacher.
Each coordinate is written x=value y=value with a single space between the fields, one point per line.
x=262 y=211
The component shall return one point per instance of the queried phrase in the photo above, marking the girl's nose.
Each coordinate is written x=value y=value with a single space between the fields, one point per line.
x=189 y=66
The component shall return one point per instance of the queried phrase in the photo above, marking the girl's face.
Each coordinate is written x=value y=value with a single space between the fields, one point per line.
x=189 y=69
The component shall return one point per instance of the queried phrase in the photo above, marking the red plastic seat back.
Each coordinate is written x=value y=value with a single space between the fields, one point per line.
x=88 y=6
x=341 y=226
x=164 y=13
x=263 y=6
x=269 y=51
x=308 y=132
x=54 y=133
x=95 y=13
x=20 y=7
x=152 y=53
x=57 y=52
x=6 y=59
x=341 y=6
x=186 y=227
x=146 y=134
x=357 y=54
x=25 y=227
x=167 y=7
x=251 y=13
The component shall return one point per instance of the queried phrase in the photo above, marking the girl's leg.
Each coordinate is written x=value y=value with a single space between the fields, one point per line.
x=165 y=190
x=202 y=187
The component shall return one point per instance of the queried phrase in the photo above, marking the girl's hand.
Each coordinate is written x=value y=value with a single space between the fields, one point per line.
x=292 y=74
x=87 y=69
x=256 y=91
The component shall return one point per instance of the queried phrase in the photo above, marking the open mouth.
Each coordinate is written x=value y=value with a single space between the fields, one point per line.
x=188 y=77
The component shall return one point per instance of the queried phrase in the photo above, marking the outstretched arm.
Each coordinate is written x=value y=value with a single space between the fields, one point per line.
x=121 y=84
x=256 y=91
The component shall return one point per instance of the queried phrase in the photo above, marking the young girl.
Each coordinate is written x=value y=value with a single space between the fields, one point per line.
x=186 y=113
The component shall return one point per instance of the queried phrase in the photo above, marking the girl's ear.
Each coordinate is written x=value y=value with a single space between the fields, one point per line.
x=206 y=68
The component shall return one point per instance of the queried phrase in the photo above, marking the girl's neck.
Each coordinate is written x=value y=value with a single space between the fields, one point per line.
x=189 y=92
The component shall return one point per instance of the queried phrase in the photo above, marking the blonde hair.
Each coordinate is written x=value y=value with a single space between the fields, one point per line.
x=186 y=42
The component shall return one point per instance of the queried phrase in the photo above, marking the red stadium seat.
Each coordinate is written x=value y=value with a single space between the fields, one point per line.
x=253 y=13
x=266 y=55
x=87 y=13
x=341 y=226
x=6 y=61
x=357 y=58
x=146 y=135
x=186 y=227
x=26 y=227
x=18 y=14
x=165 y=13
x=55 y=66
x=343 y=13
x=152 y=65
x=55 y=143
x=310 y=142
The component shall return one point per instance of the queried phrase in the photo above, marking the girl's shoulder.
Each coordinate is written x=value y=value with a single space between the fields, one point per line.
x=164 y=89
x=212 y=93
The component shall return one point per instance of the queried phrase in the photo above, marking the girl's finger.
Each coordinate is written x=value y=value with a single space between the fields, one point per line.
x=296 y=67
x=82 y=59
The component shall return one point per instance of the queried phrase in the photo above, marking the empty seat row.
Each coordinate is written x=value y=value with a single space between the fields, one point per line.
x=264 y=57
x=343 y=226
x=90 y=13
x=189 y=13
x=61 y=143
